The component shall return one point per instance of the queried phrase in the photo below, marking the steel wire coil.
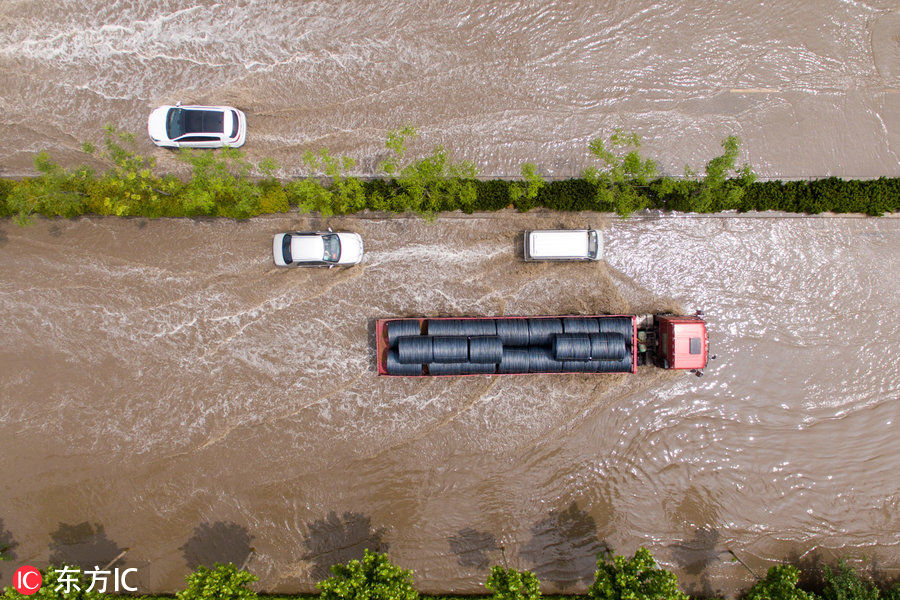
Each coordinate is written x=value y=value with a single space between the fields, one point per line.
x=515 y=360
x=485 y=349
x=395 y=367
x=578 y=366
x=450 y=349
x=540 y=360
x=414 y=349
x=461 y=369
x=607 y=346
x=513 y=332
x=580 y=325
x=572 y=346
x=464 y=327
x=624 y=326
x=614 y=366
x=541 y=331
x=402 y=327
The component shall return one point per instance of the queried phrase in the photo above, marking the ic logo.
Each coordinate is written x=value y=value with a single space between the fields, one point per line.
x=27 y=580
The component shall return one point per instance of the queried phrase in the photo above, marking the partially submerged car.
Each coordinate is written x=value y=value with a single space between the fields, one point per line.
x=317 y=249
x=578 y=244
x=197 y=126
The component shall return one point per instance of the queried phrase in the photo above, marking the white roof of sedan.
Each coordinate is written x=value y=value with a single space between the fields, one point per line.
x=306 y=248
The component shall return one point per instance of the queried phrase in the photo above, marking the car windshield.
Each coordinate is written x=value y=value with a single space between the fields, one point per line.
x=332 y=247
x=592 y=244
x=286 y=249
x=175 y=123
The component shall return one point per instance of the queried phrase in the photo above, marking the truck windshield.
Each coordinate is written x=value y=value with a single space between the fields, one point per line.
x=332 y=247
x=592 y=244
x=175 y=123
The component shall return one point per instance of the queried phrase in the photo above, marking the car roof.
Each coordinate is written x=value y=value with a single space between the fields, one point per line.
x=307 y=247
x=559 y=242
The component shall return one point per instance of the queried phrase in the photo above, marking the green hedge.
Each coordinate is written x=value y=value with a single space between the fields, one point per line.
x=221 y=185
x=871 y=197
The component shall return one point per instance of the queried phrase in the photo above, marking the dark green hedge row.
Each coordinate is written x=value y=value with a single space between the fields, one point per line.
x=871 y=197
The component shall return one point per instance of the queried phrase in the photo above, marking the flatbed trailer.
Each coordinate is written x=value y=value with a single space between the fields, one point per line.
x=518 y=345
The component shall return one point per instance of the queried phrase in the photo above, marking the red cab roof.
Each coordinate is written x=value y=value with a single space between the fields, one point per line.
x=688 y=344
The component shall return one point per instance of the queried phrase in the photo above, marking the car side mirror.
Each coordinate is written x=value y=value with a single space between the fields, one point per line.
x=178 y=103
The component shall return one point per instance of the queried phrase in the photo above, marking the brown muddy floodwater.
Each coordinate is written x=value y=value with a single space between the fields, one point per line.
x=811 y=86
x=165 y=389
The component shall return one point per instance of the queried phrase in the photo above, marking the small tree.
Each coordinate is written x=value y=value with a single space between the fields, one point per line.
x=721 y=188
x=780 y=584
x=346 y=193
x=222 y=582
x=372 y=578
x=636 y=578
x=622 y=182
x=54 y=192
x=220 y=184
x=523 y=194
x=427 y=185
x=845 y=584
x=510 y=584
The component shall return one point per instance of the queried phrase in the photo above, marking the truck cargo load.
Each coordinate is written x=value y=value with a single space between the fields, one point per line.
x=453 y=346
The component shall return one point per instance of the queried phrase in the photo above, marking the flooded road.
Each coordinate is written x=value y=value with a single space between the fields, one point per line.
x=811 y=86
x=167 y=389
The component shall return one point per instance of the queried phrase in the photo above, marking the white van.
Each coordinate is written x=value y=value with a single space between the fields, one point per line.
x=577 y=244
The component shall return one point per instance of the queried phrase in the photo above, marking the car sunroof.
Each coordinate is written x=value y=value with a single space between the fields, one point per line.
x=203 y=121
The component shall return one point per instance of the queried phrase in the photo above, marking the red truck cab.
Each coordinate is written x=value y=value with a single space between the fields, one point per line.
x=683 y=342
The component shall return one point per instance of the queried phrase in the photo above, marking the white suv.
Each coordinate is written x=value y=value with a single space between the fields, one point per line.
x=317 y=249
x=197 y=126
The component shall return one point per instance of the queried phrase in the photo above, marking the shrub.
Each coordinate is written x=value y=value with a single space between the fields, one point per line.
x=780 y=584
x=636 y=578
x=510 y=584
x=346 y=194
x=219 y=185
x=273 y=200
x=372 y=578
x=428 y=185
x=222 y=582
x=525 y=192
x=846 y=584
x=222 y=185
x=621 y=184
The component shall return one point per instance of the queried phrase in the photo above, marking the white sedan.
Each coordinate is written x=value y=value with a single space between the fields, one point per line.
x=317 y=249
x=197 y=126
